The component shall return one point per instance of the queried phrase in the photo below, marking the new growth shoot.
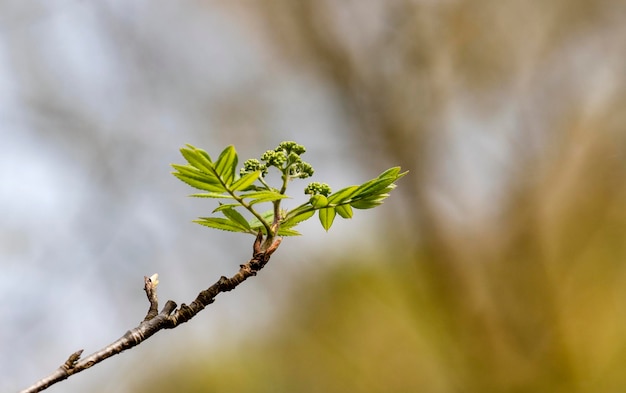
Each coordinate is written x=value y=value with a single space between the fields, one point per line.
x=247 y=189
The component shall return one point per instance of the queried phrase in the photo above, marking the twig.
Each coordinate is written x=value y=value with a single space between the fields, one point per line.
x=168 y=318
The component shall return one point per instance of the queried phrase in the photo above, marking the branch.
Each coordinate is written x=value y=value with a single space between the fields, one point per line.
x=168 y=318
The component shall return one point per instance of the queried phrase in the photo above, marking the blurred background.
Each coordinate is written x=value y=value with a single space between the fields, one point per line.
x=497 y=265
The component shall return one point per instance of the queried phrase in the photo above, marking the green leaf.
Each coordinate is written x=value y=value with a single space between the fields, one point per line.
x=198 y=183
x=217 y=195
x=342 y=195
x=392 y=172
x=190 y=171
x=379 y=184
x=365 y=204
x=245 y=181
x=235 y=216
x=268 y=216
x=262 y=193
x=254 y=188
x=281 y=231
x=318 y=201
x=373 y=186
x=223 y=224
x=226 y=164
x=288 y=232
x=345 y=211
x=193 y=176
x=263 y=196
x=225 y=206
x=305 y=207
x=368 y=203
x=196 y=159
x=202 y=153
x=327 y=216
x=295 y=220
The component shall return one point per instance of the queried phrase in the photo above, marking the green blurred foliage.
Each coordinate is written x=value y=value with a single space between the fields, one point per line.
x=530 y=297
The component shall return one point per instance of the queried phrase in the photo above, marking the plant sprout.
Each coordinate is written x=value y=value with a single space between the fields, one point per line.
x=247 y=189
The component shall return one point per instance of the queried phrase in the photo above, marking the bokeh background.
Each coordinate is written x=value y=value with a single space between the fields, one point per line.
x=497 y=265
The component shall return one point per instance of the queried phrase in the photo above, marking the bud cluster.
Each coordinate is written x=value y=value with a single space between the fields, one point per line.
x=316 y=188
x=253 y=165
x=291 y=147
x=286 y=157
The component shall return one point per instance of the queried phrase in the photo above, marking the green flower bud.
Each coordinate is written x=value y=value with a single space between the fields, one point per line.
x=267 y=156
x=316 y=188
x=253 y=165
x=302 y=170
x=293 y=158
x=291 y=147
x=274 y=158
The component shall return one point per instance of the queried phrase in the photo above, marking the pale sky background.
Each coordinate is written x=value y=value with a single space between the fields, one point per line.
x=92 y=111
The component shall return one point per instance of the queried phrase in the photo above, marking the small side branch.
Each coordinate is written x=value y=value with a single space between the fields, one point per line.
x=149 y=285
x=168 y=318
